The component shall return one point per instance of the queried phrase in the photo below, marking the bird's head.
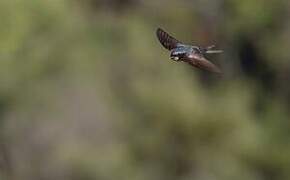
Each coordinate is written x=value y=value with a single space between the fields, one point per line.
x=177 y=54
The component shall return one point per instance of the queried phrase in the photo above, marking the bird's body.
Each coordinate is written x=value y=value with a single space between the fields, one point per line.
x=194 y=55
x=182 y=51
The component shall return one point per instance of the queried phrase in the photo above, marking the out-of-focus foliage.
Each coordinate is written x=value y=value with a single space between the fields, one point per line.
x=87 y=92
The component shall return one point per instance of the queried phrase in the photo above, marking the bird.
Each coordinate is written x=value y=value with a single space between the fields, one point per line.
x=193 y=55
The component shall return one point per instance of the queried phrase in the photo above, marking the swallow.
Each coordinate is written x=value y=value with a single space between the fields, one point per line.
x=193 y=55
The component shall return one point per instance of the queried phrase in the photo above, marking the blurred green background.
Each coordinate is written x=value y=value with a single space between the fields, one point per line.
x=88 y=93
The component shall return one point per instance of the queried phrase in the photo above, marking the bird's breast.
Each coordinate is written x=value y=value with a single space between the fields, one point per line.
x=193 y=56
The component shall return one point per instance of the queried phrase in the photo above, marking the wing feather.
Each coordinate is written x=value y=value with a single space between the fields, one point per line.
x=166 y=40
x=204 y=64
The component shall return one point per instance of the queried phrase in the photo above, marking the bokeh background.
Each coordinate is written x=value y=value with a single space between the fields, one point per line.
x=88 y=93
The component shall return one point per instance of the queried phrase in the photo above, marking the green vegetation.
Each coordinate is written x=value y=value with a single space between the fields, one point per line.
x=87 y=92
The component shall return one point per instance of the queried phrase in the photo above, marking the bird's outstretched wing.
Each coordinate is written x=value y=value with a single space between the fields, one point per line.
x=166 y=40
x=201 y=62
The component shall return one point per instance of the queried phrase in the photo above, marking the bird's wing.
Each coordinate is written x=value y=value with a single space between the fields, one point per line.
x=202 y=63
x=166 y=40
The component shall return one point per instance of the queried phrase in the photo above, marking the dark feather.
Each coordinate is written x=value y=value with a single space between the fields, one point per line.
x=201 y=62
x=166 y=40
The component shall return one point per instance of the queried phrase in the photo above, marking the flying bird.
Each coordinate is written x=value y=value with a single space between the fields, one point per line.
x=193 y=55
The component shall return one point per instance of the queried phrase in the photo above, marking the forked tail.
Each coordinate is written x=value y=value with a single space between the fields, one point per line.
x=208 y=50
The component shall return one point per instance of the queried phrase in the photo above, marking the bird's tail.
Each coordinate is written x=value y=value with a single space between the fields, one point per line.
x=214 y=51
x=209 y=50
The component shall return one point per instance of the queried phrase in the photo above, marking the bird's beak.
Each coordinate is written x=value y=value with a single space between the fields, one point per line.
x=175 y=58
